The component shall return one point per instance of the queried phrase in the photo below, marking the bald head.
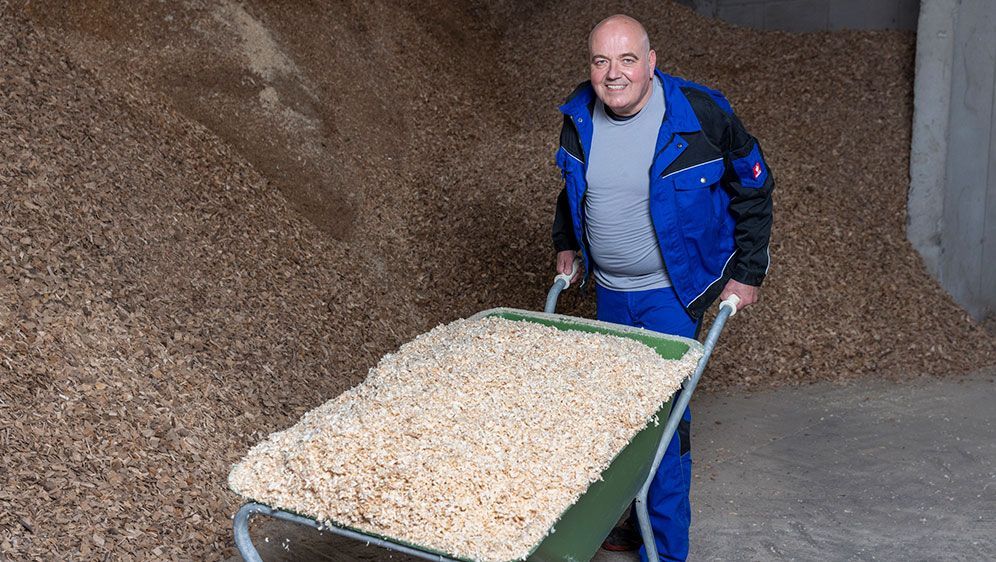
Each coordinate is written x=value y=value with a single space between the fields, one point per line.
x=619 y=24
x=621 y=64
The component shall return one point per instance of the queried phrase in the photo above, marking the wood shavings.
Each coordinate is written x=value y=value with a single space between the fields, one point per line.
x=472 y=439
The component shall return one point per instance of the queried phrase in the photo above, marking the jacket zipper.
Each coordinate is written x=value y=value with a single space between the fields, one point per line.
x=586 y=250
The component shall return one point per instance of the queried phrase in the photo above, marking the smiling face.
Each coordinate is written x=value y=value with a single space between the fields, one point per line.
x=622 y=64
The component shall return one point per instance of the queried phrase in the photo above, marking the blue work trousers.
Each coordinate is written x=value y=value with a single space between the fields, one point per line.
x=667 y=500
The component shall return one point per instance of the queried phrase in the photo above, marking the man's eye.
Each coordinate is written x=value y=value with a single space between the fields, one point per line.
x=629 y=61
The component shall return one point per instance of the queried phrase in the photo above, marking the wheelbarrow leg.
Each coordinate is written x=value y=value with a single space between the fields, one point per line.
x=726 y=309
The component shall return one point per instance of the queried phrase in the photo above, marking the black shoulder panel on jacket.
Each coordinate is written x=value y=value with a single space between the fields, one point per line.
x=714 y=121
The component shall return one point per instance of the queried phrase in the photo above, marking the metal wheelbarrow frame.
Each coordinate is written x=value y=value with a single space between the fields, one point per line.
x=575 y=531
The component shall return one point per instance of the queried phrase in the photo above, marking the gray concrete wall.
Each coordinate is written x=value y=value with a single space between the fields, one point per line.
x=952 y=198
x=812 y=15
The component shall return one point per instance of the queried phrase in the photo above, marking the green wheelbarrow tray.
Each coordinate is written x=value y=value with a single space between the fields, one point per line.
x=581 y=528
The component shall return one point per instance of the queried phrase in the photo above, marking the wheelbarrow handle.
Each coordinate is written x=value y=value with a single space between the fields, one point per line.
x=560 y=283
x=567 y=277
x=727 y=308
x=732 y=302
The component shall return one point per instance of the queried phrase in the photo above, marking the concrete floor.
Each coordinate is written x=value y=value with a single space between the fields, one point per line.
x=865 y=471
x=869 y=471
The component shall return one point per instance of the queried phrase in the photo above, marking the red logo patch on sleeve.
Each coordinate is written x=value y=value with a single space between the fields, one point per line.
x=757 y=169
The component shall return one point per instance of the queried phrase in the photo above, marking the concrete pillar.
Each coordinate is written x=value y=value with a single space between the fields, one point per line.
x=952 y=198
x=931 y=103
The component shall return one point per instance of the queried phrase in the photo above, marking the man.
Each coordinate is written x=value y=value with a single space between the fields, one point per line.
x=667 y=201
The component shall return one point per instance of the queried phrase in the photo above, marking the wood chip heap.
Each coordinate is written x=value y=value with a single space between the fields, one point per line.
x=472 y=439
x=172 y=254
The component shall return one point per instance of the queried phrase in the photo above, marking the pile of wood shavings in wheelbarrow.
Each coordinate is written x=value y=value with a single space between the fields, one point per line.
x=472 y=439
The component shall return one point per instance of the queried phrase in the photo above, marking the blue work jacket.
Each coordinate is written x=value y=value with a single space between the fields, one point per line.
x=710 y=191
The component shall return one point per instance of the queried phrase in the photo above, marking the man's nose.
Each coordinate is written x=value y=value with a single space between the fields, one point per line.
x=614 y=71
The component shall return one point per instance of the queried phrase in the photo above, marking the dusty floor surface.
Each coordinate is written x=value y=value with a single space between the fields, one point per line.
x=869 y=470
x=216 y=215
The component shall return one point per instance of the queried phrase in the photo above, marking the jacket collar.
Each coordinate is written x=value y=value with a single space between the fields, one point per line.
x=678 y=114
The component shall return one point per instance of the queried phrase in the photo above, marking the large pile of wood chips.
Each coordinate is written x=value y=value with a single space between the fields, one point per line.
x=215 y=216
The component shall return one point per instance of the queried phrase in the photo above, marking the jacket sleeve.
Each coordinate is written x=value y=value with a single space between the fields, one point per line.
x=750 y=183
x=563 y=227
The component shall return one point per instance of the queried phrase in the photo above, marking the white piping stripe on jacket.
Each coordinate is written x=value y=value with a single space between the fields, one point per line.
x=717 y=279
x=767 y=251
x=688 y=168
x=567 y=152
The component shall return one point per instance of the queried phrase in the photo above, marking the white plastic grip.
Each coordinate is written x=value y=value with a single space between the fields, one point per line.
x=568 y=276
x=733 y=301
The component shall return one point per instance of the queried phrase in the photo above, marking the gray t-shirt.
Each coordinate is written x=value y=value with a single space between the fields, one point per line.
x=621 y=236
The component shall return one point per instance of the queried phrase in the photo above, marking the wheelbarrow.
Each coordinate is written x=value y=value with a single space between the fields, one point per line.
x=579 y=531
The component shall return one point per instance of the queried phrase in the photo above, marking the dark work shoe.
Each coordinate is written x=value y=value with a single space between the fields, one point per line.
x=622 y=539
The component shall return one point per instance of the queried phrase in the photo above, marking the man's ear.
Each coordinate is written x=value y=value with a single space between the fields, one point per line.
x=652 y=59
